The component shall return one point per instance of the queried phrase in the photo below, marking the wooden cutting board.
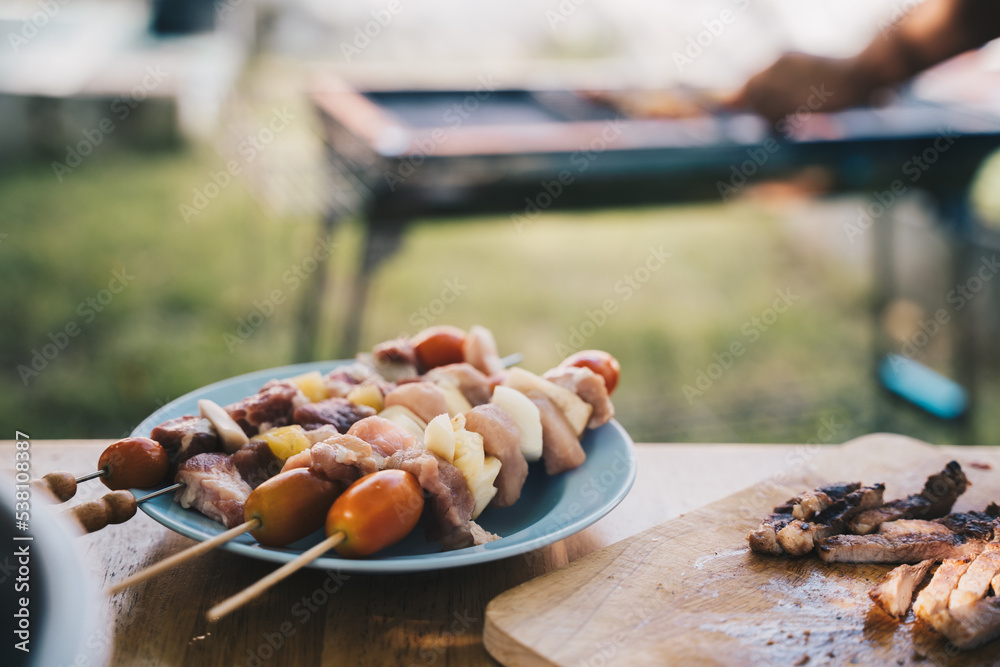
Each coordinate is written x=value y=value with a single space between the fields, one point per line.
x=689 y=592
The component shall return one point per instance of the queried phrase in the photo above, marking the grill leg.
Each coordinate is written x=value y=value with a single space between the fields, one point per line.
x=884 y=287
x=311 y=305
x=382 y=239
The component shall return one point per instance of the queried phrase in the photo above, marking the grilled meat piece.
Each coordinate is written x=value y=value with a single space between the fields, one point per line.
x=911 y=548
x=185 y=437
x=971 y=625
x=910 y=526
x=974 y=525
x=272 y=406
x=213 y=486
x=967 y=535
x=764 y=539
x=937 y=594
x=810 y=503
x=975 y=583
x=936 y=499
x=953 y=602
x=337 y=412
x=799 y=537
x=816 y=516
x=894 y=593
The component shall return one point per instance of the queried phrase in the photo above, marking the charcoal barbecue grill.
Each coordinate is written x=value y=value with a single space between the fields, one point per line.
x=414 y=153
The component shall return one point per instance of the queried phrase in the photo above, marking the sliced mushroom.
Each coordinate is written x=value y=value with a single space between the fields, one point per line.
x=230 y=433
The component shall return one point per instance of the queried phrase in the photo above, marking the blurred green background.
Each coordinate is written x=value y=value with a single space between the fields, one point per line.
x=83 y=355
x=807 y=377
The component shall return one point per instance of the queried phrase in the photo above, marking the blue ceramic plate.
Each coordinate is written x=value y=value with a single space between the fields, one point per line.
x=550 y=508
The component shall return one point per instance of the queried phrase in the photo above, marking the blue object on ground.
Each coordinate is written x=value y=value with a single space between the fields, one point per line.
x=923 y=387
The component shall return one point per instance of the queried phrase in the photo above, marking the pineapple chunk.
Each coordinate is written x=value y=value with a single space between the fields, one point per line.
x=403 y=416
x=483 y=489
x=577 y=411
x=439 y=437
x=368 y=394
x=525 y=414
x=286 y=441
x=312 y=385
x=469 y=455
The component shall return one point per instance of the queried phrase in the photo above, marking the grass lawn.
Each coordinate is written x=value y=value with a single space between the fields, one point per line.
x=729 y=324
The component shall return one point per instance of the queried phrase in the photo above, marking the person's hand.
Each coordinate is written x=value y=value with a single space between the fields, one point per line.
x=798 y=80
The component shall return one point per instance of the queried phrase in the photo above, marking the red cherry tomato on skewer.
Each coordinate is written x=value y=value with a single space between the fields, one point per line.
x=289 y=506
x=133 y=463
x=439 y=346
x=376 y=511
x=598 y=361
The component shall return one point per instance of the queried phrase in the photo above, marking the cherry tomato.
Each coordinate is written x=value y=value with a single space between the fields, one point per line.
x=133 y=463
x=376 y=511
x=438 y=346
x=289 y=506
x=598 y=361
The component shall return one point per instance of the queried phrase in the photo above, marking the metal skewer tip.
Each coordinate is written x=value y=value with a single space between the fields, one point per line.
x=99 y=473
x=512 y=360
x=154 y=494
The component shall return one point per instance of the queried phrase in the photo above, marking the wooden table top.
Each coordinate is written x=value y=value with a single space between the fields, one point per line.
x=320 y=618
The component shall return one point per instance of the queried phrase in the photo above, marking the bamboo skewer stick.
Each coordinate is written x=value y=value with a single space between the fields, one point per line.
x=182 y=556
x=249 y=593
